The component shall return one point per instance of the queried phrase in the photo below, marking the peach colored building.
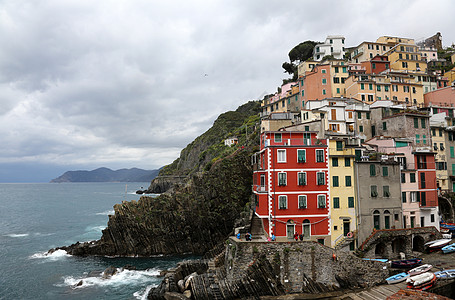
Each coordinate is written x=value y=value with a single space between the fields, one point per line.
x=440 y=97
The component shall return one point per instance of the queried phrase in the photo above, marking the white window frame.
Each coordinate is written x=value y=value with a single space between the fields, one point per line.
x=305 y=178
x=304 y=155
x=304 y=197
x=325 y=200
x=285 y=178
x=278 y=157
x=317 y=177
x=318 y=151
x=413 y=197
x=286 y=201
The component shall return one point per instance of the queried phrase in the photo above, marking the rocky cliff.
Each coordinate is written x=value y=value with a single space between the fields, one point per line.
x=201 y=210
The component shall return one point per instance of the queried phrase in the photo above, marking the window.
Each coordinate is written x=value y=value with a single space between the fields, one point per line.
x=301 y=178
x=378 y=88
x=386 y=88
x=372 y=170
x=339 y=146
x=422 y=180
x=417 y=138
x=350 y=202
x=336 y=202
x=432 y=218
x=363 y=97
x=416 y=123
x=452 y=152
x=370 y=86
x=384 y=126
x=423 y=199
x=283 y=202
x=412 y=177
x=403 y=197
x=281 y=155
x=413 y=196
x=370 y=98
x=323 y=71
x=319 y=155
x=368 y=115
x=385 y=191
x=373 y=65
x=441 y=146
x=347 y=162
x=323 y=92
x=345 y=70
x=385 y=171
x=347 y=180
x=424 y=139
x=360 y=128
x=335 y=162
x=336 y=79
x=320 y=176
x=324 y=81
x=277 y=137
x=403 y=178
x=374 y=191
x=321 y=201
x=302 y=202
x=359 y=115
x=301 y=155
x=282 y=179
x=335 y=181
x=336 y=70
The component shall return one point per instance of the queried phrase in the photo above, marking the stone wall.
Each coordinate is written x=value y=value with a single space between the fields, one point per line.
x=304 y=266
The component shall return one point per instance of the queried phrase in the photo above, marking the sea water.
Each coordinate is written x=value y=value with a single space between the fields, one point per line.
x=37 y=217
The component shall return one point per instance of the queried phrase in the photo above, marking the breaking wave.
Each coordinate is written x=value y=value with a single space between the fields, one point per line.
x=58 y=254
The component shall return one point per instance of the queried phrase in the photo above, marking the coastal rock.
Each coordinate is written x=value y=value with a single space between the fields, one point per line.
x=175 y=296
x=109 y=272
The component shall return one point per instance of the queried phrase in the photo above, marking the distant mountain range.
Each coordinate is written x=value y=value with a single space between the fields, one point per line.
x=108 y=175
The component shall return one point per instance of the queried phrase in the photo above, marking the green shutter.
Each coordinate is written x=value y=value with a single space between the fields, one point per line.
x=334 y=161
x=385 y=171
x=348 y=180
x=452 y=153
x=301 y=156
x=335 y=181
x=336 y=202
x=347 y=162
x=416 y=123
x=372 y=170
x=350 y=202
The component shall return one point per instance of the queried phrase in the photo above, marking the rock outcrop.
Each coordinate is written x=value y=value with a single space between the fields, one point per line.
x=193 y=219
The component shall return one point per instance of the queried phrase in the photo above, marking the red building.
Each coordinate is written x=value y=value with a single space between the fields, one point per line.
x=426 y=174
x=291 y=185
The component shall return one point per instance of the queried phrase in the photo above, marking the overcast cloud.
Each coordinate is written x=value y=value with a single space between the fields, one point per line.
x=122 y=84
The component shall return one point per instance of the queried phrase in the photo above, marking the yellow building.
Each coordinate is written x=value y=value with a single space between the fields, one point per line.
x=342 y=192
x=396 y=86
x=451 y=73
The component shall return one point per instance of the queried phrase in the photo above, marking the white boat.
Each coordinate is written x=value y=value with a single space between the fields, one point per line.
x=432 y=242
x=420 y=269
x=420 y=279
x=440 y=243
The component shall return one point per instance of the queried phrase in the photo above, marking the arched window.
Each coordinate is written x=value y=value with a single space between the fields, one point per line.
x=306 y=229
x=386 y=219
x=376 y=220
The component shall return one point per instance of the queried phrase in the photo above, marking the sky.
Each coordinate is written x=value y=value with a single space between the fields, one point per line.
x=122 y=84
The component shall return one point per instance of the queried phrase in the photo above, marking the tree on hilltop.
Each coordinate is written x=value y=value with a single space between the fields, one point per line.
x=299 y=53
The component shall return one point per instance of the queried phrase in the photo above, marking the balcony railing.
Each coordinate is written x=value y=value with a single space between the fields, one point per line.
x=260 y=188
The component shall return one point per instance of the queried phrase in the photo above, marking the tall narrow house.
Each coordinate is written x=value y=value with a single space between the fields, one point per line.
x=291 y=185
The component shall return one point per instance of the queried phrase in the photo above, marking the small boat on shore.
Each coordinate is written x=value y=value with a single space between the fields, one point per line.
x=420 y=269
x=438 y=245
x=446 y=274
x=397 y=278
x=384 y=260
x=427 y=244
x=422 y=281
x=449 y=248
x=406 y=263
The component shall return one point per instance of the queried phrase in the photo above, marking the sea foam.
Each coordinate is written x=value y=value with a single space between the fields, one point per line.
x=106 y=213
x=122 y=277
x=142 y=294
x=58 y=254
x=17 y=235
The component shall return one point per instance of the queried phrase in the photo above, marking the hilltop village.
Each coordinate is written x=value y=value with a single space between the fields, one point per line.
x=363 y=140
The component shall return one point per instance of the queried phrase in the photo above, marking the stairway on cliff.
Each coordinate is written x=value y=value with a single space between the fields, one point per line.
x=256 y=230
